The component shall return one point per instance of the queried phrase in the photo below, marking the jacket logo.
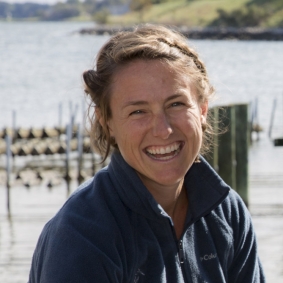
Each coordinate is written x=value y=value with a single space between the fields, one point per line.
x=208 y=257
x=137 y=275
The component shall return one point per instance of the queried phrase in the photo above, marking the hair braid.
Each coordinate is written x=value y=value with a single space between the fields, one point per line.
x=147 y=42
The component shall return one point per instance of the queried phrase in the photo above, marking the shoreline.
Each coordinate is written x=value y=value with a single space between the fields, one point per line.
x=213 y=33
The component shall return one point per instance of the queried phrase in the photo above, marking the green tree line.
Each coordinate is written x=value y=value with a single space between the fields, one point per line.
x=72 y=8
x=254 y=13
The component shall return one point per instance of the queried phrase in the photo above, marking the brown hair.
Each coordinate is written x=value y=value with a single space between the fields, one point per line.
x=146 y=42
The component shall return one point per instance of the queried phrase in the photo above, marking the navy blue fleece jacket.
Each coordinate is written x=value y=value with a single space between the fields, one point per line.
x=112 y=230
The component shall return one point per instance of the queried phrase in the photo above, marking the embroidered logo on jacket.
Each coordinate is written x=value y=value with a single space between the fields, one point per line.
x=208 y=257
x=137 y=275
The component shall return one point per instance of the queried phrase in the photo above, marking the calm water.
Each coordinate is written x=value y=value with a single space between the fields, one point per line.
x=42 y=63
x=41 y=66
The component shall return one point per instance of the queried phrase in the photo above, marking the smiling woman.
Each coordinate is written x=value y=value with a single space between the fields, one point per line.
x=153 y=109
x=155 y=44
x=158 y=213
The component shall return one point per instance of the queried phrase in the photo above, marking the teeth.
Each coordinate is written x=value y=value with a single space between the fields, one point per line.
x=163 y=150
x=163 y=158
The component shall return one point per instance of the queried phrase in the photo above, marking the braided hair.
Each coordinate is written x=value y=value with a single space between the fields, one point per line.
x=147 y=42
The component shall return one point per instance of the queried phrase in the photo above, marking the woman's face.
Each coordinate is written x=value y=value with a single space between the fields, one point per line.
x=156 y=121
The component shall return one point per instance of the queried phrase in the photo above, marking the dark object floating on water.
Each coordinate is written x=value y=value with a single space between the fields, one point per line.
x=247 y=33
x=278 y=142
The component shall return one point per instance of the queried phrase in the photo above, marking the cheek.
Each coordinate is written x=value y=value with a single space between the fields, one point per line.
x=193 y=122
x=128 y=134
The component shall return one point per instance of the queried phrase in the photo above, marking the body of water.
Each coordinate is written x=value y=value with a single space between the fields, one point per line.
x=42 y=63
x=41 y=66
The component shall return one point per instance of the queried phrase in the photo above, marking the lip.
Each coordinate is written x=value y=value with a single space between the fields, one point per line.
x=164 y=152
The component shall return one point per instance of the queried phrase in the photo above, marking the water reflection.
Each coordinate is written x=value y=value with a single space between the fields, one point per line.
x=32 y=208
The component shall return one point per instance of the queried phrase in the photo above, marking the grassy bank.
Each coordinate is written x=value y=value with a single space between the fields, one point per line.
x=189 y=13
x=201 y=13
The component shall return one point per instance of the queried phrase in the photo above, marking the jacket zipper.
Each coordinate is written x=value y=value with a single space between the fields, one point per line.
x=181 y=254
x=181 y=251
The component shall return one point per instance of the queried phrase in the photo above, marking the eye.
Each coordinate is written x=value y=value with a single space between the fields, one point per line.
x=177 y=104
x=136 y=112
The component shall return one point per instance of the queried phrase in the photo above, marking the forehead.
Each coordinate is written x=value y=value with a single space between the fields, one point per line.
x=142 y=74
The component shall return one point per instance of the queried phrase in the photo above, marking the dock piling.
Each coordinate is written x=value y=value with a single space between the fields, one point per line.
x=60 y=115
x=242 y=150
x=80 y=153
x=272 y=117
x=229 y=154
x=68 y=142
x=227 y=146
x=8 y=170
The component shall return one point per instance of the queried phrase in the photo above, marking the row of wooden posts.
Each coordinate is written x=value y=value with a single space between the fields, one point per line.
x=229 y=154
x=32 y=133
x=45 y=142
x=47 y=146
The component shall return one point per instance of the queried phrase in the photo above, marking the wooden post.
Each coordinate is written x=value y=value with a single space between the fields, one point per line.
x=80 y=154
x=242 y=149
x=272 y=117
x=256 y=124
x=14 y=133
x=73 y=114
x=60 y=115
x=68 y=141
x=251 y=121
x=8 y=170
x=255 y=111
x=83 y=113
x=14 y=117
x=227 y=146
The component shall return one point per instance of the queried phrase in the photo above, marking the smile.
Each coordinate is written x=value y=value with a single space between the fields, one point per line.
x=164 y=152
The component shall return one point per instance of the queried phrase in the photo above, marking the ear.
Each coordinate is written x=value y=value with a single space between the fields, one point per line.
x=109 y=127
x=100 y=119
x=203 y=111
x=105 y=125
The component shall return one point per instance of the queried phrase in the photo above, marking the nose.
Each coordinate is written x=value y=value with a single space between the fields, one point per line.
x=161 y=126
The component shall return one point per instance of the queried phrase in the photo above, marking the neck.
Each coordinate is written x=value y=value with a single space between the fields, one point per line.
x=171 y=198
x=174 y=201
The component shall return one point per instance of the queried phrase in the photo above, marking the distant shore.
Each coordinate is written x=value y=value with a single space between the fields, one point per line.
x=203 y=33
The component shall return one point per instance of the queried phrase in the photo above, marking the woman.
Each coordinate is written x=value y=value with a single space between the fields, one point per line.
x=158 y=212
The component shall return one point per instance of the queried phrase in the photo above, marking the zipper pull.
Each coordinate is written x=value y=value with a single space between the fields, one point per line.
x=181 y=252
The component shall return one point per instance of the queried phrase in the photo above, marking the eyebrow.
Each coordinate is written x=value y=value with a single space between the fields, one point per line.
x=143 y=102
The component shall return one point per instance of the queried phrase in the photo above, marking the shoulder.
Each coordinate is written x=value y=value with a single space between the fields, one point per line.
x=95 y=201
x=89 y=196
x=230 y=206
x=234 y=208
x=93 y=224
x=89 y=215
x=233 y=213
x=100 y=179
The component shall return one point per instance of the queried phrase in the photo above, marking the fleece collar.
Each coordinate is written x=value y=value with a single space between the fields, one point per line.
x=206 y=190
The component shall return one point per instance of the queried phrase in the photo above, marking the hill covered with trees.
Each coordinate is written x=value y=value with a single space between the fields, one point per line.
x=71 y=9
x=205 y=13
